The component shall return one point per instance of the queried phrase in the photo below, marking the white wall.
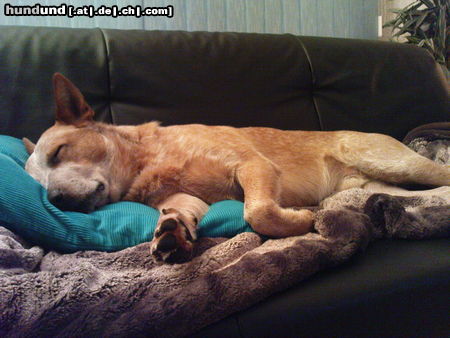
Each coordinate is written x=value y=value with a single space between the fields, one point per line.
x=401 y=3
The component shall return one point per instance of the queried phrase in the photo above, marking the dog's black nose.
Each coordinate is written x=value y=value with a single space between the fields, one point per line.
x=60 y=200
x=56 y=199
x=64 y=201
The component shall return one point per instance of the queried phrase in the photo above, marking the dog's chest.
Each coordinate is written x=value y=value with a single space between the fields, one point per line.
x=203 y=169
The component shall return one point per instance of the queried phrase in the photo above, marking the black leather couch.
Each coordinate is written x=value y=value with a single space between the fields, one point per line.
x=395 y=288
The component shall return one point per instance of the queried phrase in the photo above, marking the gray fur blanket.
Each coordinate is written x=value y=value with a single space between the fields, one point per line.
x=431 y=140
x=126 y=294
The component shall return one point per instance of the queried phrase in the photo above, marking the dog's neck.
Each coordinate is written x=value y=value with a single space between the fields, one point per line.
x=130 y=154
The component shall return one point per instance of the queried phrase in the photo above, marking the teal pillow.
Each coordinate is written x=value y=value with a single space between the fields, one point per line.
x=25 y=209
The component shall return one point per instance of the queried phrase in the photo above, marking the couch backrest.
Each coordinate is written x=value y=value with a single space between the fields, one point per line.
x=238 y=79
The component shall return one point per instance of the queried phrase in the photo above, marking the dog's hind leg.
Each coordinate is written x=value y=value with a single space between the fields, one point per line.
x=260 y=180
x=385 y=159
x=176 y=229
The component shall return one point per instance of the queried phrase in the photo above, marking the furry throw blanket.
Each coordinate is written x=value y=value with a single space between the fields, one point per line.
x=432 y=141
x=126 y=294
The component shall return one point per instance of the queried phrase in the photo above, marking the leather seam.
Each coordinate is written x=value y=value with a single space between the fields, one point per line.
x=313 y=82
x=108 y=75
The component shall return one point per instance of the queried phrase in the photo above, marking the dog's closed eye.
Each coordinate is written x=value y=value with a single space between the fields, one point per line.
x=54 y=157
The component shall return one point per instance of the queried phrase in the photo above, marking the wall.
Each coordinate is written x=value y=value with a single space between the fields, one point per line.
x=340 y=18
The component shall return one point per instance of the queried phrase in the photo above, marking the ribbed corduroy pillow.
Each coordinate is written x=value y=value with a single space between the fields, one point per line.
x=25 y=209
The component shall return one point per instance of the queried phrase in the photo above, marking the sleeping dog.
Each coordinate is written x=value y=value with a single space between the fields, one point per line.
x=182 y=169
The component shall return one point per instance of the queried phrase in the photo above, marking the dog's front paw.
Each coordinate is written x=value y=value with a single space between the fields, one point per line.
x=173 y=240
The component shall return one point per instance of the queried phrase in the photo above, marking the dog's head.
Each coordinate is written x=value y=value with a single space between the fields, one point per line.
x=72 y=159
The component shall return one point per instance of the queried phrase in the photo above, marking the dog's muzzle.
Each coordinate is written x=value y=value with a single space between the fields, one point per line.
x=68 y=202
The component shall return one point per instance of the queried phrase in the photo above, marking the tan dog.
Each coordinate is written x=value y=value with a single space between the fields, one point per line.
x=181 y=169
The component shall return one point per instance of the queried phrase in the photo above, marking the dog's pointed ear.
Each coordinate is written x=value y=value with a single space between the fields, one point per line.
x=29 y=146
x=71 y=107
